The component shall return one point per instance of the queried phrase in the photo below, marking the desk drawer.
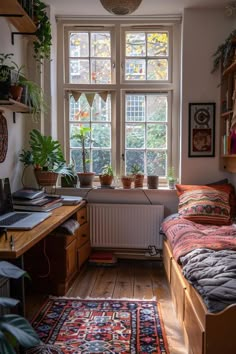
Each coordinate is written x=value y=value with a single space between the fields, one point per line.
x=83 y=253
x=82 y=215
x=82 y=235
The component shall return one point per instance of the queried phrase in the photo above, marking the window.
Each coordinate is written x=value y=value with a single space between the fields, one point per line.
x=119 y=82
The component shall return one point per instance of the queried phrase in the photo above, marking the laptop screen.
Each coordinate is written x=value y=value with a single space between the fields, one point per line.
x=6 y=205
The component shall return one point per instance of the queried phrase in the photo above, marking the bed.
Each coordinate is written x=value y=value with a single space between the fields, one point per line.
x=200 y=263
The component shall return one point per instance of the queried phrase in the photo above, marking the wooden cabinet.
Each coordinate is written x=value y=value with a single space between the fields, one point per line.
x=55 y=262
x=228 y=138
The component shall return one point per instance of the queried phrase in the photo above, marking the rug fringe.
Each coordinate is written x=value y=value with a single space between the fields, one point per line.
x=101 y=299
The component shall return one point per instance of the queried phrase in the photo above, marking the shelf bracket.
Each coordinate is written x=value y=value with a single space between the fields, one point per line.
x=20 y=33
x=11 y=15
x=14 y=117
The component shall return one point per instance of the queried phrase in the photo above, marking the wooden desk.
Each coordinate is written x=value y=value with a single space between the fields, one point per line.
x=25 y=240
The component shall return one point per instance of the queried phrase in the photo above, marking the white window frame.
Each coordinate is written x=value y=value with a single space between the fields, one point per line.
x=118 y=87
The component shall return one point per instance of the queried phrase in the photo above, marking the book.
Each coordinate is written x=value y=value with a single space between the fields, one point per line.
x=28 y=193
x=70 y=200
x=37 y=208
x=46 y=200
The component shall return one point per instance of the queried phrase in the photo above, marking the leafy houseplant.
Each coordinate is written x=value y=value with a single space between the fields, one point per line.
x=5 y=75
x=138 y=176
x=14 y=329
x=70 y=181
x=42 y=45
x=46 y=157
x=106 y=177
x=225 y=52
x=82 y=136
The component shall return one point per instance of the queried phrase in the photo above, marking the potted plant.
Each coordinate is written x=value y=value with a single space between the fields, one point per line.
x=42 y=45
x=171 y=177
x=70 y=181
x=15 y=330
x=16 y=87
x=106 y=177
x=35 y=98
x=138 y=176
x=5 y=75
x=82 y=136
x=225 y=52
x=46 y=157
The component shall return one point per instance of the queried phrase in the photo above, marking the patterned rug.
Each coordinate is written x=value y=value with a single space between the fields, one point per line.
x=101 y=326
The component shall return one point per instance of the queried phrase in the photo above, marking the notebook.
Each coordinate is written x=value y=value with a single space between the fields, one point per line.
x=11 y=219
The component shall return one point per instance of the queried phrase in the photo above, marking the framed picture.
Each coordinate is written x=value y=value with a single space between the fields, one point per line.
x=201 y=130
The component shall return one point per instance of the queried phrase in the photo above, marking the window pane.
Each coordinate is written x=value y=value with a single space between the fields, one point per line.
x=100 y=159
x=157 y=44
x=100 y=71
x=157 y=69
x=135 y=44
x=101 y=135
x=156 y=108
x=79 y=110
x=135 y=135
x=101 y=110
x=156 y=136
x=135 y=108
x=135 y=69
x=147 y=139
x=79 y=45
x=134 y=157
x=156 y=163
x=79 y=71
x=100 y=44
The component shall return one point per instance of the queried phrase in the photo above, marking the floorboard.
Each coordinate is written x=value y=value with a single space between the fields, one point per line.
x=130 y=279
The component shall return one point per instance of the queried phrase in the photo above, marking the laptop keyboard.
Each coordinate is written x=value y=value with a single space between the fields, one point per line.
x=14 y=218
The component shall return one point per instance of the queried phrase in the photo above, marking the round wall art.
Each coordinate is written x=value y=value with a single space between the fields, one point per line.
x=3 y=137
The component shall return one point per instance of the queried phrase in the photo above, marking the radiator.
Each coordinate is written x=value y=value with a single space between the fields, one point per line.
x=125 y=225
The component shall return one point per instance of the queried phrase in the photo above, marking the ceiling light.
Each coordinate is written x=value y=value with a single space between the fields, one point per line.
x=120 y=7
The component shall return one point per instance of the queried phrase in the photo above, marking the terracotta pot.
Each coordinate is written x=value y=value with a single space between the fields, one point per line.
x=127 y=181
x=138 y=180
x=46 y=178
x=105 y=180
x=86 y=179
x=16 y=92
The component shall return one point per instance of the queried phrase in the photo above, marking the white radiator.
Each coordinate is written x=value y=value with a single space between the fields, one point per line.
x=125 y=225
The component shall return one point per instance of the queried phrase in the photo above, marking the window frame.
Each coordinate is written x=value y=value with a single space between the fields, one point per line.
x=118 y=87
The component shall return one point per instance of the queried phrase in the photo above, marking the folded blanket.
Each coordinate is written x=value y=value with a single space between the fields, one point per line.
x=213 y=274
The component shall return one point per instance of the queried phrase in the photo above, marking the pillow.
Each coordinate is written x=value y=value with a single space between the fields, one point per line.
x=205 y=204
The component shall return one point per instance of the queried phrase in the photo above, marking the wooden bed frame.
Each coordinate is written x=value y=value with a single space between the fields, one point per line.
x=205 y=333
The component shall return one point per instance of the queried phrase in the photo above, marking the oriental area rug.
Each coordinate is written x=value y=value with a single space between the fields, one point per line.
x=75 y=326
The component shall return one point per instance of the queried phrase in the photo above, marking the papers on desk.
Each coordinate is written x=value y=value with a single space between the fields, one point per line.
x=70 y=200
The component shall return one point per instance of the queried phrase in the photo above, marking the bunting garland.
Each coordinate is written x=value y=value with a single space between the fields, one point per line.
x=89 y=96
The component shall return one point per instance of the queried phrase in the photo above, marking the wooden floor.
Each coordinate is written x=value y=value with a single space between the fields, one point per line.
x=127 y=279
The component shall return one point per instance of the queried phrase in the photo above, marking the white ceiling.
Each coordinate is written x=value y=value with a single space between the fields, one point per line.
x=147 y=7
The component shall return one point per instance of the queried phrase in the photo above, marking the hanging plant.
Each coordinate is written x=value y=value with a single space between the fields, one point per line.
x=224 y=52
x=42 y=45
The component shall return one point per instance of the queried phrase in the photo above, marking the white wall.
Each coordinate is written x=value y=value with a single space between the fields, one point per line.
x=203 y=31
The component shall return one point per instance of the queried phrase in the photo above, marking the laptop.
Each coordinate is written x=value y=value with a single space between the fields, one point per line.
x=11 y=219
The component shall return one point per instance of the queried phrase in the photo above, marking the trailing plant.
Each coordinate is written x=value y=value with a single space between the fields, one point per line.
x=14 y=329
x=224 y=52
x=42 y=45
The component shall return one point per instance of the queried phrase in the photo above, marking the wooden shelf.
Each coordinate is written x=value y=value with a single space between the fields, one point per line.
x=14 y=106
x=20 y=19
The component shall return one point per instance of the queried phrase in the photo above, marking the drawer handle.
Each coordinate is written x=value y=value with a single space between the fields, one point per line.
x=83 y=235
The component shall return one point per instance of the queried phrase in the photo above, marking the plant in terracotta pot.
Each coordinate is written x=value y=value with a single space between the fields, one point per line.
x=16 y=87
x=138 y=176
x=82 y=136
x=46 y=157
x=106 y=177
